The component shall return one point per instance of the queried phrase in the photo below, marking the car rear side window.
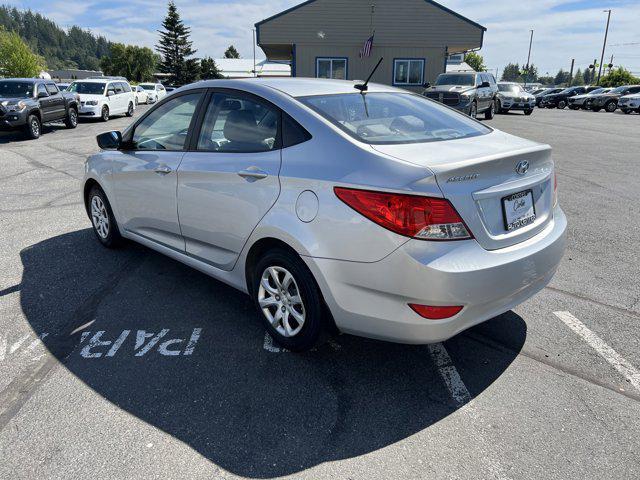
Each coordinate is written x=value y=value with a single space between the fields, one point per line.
x=167 y=127
x=119 y=87
x=126 y=87
x=393 y=118
x=240 y=124
x=292 y=132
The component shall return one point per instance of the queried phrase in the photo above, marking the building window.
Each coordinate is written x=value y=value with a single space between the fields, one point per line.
x=335 y=68
x=407 y=71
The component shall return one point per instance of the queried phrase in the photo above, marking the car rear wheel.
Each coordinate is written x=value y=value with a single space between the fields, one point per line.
x=491 y=111
x=104 y=223
x=574 y=107
x=104 y=114
x=626 y=111
x=72 y=118
x=33 y=128
x=528 y=112
x=130 y=110
x=288 y=300
x=562 y=104
x=611 y=107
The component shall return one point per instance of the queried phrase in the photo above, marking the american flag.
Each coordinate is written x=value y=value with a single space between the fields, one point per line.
x=366 y=48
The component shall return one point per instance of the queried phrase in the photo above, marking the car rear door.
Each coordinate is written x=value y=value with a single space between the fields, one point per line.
x=230 y=179
x=145 y=170
x=55 y=102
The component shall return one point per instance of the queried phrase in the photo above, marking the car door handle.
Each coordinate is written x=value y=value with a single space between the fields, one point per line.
x=253 y=173
x=163 y=169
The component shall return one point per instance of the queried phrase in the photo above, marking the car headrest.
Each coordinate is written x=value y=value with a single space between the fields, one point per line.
x=240 y=126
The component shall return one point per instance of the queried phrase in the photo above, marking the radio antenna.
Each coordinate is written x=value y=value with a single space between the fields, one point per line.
x=363 y=87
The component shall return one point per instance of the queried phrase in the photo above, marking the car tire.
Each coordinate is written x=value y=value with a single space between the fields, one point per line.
x=595 y=109
x=562 y=104
x=136 y=102
x=611 y=107
x=296 y=326
x=491 y=111
x=130 y=110
x=528 y=112
x=104 y=114
x=574 y=107
x=33 y=128
x=103 y=221
x=71 y=120
x=473 y=110
x=626 y=111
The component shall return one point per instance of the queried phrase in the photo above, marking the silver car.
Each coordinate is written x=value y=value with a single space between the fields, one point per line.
x=382 y=213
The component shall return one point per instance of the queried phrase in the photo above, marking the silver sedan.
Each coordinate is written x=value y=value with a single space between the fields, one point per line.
x=380 y=213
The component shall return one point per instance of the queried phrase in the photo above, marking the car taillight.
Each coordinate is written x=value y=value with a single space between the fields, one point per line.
x=433 y=312
x=415 y=216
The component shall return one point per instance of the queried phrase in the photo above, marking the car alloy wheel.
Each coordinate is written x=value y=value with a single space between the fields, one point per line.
x=562 y=104
x=105 y=114
x=280 y=301
x=130 y=110
x=473 y=111
x=34 y=126
x=72 y=118
x=610 y=107
x=100 y=217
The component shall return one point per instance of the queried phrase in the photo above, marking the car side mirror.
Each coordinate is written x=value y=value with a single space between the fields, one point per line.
x=426 y=85
x=484 y=85
x=110 y=93
x=42 y=95
x=109 y=140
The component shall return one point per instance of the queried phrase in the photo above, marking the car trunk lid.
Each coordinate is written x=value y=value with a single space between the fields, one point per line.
x=475 y=174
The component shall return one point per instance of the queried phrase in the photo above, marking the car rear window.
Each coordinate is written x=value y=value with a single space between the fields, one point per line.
x=393 y=118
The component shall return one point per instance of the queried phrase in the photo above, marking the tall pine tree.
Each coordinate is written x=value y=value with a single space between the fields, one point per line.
x=176 y=48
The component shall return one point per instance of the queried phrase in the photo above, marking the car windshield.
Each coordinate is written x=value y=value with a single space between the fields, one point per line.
x=510 y=88
x=88 y=88
x=568 y=90
x=16 y=89
x=393 y=118
x=619 y=89
x=148 y=87
x=455 y=79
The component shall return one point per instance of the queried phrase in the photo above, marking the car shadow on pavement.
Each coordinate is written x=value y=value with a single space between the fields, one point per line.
x=15 y=136
x=252 y=411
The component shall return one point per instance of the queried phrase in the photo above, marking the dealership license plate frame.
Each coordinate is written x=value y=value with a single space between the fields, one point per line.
x=517 y=223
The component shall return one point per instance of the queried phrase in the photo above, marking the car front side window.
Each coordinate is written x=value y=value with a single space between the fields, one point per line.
x=167 y=127
x=238 y=123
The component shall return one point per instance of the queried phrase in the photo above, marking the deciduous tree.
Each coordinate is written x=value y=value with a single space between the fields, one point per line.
x=16 y=58
x=475 y=61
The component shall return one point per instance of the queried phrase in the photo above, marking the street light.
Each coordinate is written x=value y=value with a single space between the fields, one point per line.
x=528 y=59
x=604 y=44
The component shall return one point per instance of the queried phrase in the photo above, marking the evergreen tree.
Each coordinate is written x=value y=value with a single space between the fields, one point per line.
x=231 y=52
x=511 y=73
x=578 y=78
x=562 y=78
x=175 y=47
x=209 y=69
x=587 y=76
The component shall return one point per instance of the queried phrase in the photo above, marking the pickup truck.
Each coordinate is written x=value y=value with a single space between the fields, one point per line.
x=27 y=103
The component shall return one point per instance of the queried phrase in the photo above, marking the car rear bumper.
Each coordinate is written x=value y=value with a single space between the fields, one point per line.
x=371 y=299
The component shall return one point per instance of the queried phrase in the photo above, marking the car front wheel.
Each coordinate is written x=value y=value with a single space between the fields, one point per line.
x=33 y=128
x=491 y=111
x=104 y=114
x=288 y=300
x=611 y=107
x=473 y=110
x=130 y=110
x=562 y=104
x=528 y=112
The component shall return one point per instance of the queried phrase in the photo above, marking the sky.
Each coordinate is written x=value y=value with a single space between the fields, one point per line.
x=563 y=29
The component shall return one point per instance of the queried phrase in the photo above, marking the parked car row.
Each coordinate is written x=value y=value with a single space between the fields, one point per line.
x=27 y=103
x=593 y=97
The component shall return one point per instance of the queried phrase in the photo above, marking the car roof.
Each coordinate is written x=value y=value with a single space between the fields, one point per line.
x=96 y=80
x=25 y=80
x=295 y=87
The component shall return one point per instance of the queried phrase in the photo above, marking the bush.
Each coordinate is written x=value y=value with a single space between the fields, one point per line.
x=617 y=77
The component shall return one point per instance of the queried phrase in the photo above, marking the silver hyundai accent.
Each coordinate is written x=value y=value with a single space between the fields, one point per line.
x=379 y=212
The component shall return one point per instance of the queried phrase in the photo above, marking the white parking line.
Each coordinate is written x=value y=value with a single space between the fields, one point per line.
x=628 y=371
x=449 y=373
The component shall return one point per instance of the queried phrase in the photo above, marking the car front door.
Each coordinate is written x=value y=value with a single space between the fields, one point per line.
x=145 y=171
x=56 y=102
x=46 y=107
x=482 y=94
x=231 y=179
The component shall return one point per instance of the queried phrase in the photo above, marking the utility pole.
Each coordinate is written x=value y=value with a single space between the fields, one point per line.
x=528 y=59
x=604 y=44
x=253 y=30
x=573 y=61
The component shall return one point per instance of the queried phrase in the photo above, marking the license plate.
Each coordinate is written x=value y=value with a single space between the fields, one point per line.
x=518 y=210
x=521 y=104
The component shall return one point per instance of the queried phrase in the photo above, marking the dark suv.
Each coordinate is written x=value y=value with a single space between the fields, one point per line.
x=469 y=92
x=561 y=99
x=27 y=103
x=609 y=100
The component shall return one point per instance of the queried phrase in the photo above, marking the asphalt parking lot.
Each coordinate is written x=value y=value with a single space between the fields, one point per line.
x=126 y=364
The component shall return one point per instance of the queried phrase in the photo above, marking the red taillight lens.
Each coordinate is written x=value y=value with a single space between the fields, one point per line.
x=435 y=312
x=426 y=218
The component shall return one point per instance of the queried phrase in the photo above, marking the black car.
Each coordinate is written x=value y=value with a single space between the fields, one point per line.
x=609 y=100
x=560 y=99
x=547 y=91
x=27 y=103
